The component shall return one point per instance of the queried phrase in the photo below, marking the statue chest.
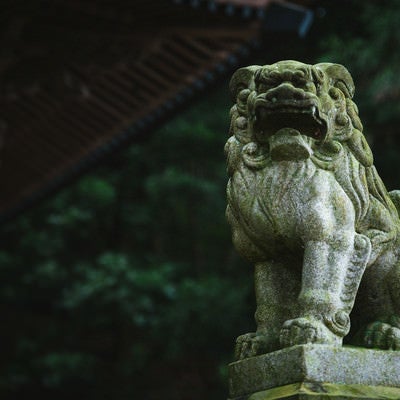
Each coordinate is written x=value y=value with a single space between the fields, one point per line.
x=271 y=201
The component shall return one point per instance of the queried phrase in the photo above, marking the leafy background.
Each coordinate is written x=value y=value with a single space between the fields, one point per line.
x=125 y=284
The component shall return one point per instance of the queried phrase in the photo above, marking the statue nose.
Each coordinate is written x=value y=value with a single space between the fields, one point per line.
x=285 y=91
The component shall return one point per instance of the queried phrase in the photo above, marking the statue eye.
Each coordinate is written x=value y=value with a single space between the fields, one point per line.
x=271 y=81
x=273 y=78
x=266 y=84
x=262 y=87
x=299 y=79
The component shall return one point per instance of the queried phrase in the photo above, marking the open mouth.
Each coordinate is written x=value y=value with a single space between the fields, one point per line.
x=301 y=115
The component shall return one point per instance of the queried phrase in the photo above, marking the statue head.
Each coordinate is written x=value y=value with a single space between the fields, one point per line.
x=295 y=108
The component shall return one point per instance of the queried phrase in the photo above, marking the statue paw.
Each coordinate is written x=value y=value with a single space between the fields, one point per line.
x=382 y=335
x=250 y=345
x=306 y=330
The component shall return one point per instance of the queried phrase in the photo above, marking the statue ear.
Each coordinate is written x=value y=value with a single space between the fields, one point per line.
x=242 y=79
x=339 y=77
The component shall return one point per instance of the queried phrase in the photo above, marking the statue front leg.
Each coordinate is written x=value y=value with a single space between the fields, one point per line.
x=277 y=286
x=332 y=272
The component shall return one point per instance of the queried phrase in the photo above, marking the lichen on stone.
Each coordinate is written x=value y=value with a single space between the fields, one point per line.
x=308 y=208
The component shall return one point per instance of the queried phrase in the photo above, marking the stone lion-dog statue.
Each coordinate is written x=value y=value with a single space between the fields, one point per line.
x=308 y=208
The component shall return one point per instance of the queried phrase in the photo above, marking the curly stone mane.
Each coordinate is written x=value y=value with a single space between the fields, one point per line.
x=344 y=151
x=356 y=173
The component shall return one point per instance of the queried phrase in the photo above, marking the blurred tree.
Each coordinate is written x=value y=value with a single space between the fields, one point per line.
x=126 y=284
x=365 y=36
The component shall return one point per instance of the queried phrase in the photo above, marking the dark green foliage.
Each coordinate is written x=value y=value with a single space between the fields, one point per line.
x=125 y=284
x=372 y=55
x=365 y=36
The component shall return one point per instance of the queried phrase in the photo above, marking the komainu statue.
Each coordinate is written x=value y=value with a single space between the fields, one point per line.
x=308 y=208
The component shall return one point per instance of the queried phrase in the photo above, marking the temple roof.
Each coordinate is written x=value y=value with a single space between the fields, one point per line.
x=81 y=79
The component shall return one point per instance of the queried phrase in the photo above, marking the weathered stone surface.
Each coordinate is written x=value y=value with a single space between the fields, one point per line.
x=308 y=208
x=317 y=371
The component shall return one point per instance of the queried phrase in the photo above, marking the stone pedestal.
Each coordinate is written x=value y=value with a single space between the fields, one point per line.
x=317 y=372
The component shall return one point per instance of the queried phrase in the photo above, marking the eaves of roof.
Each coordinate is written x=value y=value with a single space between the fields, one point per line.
x=80 y=80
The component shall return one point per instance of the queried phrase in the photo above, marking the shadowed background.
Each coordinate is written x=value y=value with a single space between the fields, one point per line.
x=122 y=281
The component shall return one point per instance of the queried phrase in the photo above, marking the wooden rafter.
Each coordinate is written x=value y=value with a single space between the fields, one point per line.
x=82 y=77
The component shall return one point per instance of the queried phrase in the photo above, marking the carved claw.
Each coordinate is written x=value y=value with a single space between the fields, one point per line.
x=250 y=345
x=382 y=336
x=306 y=330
